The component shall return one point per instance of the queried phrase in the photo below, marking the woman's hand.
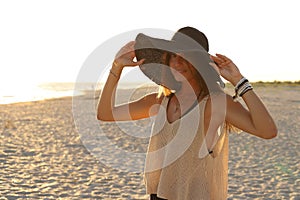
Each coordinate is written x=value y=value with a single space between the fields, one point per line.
x=125 y=56
x=254 y=118
x=227 y=69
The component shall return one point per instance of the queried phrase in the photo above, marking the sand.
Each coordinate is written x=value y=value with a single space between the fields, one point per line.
x=44 y=156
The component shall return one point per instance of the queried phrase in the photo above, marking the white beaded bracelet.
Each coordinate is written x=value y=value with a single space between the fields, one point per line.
x=241 y=88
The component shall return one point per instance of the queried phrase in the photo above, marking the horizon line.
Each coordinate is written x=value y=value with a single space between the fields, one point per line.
x=150 y=82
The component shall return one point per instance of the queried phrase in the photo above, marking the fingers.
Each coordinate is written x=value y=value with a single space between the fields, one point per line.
x=224 y=59
x=133 y=63
x=216 y=59
x=126 y=50
x=222 y=56
x=221 y=60
x=129 y=45
x=140 y=61
x=125 y=56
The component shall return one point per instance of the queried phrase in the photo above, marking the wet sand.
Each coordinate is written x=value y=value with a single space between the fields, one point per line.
x=44 y=156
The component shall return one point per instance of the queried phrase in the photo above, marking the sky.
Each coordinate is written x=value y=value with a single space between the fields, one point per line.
x=49 y=41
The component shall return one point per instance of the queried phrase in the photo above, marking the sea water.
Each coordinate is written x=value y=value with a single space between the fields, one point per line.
x=34 y=92
x=41 y=91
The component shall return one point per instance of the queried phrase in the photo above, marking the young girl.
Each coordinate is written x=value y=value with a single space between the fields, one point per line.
x=187 y=156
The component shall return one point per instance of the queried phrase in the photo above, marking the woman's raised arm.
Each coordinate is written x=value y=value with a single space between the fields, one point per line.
x=142 y=108
x=255 y=119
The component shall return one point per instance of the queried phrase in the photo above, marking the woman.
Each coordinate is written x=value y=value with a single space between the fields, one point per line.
x=187 y=156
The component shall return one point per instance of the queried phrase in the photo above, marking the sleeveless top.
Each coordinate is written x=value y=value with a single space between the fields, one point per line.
x=178 y=165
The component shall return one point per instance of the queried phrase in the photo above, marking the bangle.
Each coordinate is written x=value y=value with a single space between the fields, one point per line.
x=240 y=83
x=111 y=72
x=246 y=90
x=241 y=88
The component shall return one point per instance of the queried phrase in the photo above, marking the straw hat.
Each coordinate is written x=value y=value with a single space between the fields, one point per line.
x=192 y=46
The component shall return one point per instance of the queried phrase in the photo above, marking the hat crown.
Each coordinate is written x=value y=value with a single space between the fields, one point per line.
x=193 y=34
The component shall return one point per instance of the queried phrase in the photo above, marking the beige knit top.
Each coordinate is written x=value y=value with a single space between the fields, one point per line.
x=178 y=165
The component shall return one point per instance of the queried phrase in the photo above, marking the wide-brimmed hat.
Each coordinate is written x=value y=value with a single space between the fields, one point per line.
x=192 y=46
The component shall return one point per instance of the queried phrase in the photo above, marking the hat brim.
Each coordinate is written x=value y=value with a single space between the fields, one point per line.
x=154 y=51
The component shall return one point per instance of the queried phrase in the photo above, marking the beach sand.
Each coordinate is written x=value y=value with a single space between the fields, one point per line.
x=44 y=156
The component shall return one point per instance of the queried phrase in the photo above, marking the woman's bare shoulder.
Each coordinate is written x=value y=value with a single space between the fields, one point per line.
x=152 y=98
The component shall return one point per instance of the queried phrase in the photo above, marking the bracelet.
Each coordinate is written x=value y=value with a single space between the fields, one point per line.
x=240 y=83
x=241 y=88
x=246 y=90
x=111 y=72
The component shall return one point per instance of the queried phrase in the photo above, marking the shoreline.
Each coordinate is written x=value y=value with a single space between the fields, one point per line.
x=228 y=88
x=53 y=90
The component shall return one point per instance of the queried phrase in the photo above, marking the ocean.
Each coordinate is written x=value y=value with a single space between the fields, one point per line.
x=35 y=92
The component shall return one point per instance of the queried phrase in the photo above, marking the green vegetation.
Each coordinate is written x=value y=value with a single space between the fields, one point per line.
x=270 y=83
x=276 y=83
